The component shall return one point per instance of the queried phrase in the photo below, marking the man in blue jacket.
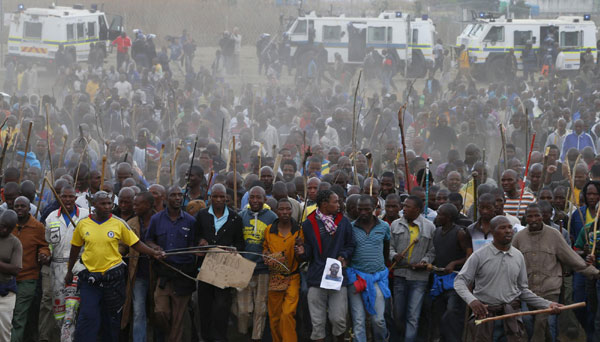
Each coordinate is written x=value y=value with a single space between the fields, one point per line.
x=253 y=299
x=327 y=234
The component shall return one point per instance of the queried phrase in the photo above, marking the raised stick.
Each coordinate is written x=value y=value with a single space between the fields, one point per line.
x=528 y=313
x=403 y=253
x=26 y=149
x=48 y=139
x=276 y=166
x=173 y=167
x=526 y=172
x=39 y=204
x=60 y=202
x=102 y=171
x=234 y=174
x=160 y=158
x=595 y=230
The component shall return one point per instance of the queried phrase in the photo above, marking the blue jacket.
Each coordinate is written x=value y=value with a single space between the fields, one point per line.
x=578 y=142
x=31 y=159
x=255 y=227
x=317 y=249
x=576 y=222
x=369 y=294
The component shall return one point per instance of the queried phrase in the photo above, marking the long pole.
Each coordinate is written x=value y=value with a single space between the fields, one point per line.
x=234 y=157
x=48 y=139
x=401 y=126
x=526 y=172
x=221 y=141
x=427 y=165
x=160 y=158
x=26 y=149
x=60 y=202
x=527 y=313
x=354 y=125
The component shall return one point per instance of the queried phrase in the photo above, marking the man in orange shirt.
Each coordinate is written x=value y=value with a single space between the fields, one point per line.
x=31 y=233
x=123 y=43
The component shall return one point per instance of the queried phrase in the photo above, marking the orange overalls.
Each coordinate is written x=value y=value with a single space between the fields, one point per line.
x=282 y=303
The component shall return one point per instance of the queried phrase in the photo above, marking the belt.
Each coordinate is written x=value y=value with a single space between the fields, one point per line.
x=59 y=260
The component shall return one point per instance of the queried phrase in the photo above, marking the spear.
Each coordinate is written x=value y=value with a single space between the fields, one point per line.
x=26 y=149
x=401 y=126
x=427 y=165
x=369 y=157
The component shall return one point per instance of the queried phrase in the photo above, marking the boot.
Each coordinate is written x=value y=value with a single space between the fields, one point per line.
x=341 y=338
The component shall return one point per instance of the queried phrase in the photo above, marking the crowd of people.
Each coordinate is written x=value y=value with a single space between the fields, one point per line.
x=429 y=207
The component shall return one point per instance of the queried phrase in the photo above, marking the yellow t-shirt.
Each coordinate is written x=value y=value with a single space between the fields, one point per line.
x=101 y=242
x=575 y=196
x=588 y=217
x=309 y=211
x=414 y=234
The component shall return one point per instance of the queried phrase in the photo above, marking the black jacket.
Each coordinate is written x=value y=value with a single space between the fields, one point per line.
x=231 y=234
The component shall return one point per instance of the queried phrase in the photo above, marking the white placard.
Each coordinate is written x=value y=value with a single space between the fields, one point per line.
x=332 y=277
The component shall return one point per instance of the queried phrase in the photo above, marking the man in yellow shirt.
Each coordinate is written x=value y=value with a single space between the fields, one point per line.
x=102 y=282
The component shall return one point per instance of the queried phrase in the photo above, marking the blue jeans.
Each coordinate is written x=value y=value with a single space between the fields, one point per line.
x=358 y=311
x=585 y=316
x=408 y=299
x=99 y=313
x=449 y=316
x=528 y=322
x=140 y=293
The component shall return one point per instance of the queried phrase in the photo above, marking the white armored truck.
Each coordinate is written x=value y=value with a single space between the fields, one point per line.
x=36 y=33
x=413 y=39
x=488 y=39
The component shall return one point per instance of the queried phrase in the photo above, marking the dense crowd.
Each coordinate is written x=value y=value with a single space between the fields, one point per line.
x=481 y=201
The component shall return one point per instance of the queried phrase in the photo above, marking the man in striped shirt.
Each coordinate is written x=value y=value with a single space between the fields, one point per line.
x=512 y=192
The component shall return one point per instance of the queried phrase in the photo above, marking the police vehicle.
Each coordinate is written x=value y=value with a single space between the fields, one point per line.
x=488 y=39
x=36 y=33
x=412 y=39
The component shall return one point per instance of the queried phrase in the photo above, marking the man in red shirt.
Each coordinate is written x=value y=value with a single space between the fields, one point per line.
x=123 y=43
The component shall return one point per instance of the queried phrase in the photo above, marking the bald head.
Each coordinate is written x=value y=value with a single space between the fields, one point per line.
x=499 y=221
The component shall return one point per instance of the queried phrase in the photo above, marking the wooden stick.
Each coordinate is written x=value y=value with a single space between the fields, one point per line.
x=529 y=313
x=276 y=167
x=174 y=162
x=369 y=157
x=354 y=126
x=60 y=202
x=401 y=124
x=81 y=160
x=544 y=171
x=595 y=230
x=3 y=155
x=221 y=141
x=525 y=178
x=234 y=175
x=259 y=159
x=403 y=253
x=39 y=204
x=48 y=139
x=26 y=149
x=102 y=172
x=160 y=158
